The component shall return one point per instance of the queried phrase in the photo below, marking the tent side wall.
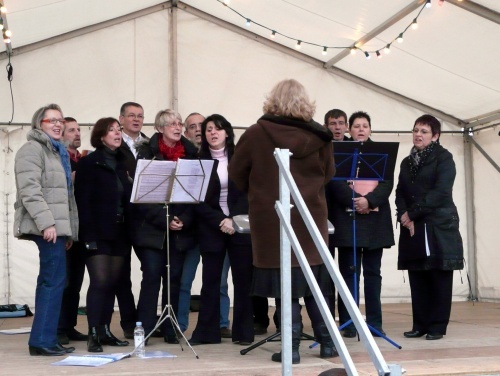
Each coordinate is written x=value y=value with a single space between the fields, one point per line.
x=219 y=71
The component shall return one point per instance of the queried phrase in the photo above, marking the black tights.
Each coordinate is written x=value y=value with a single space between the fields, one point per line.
x=104 y=272
x=311 y=307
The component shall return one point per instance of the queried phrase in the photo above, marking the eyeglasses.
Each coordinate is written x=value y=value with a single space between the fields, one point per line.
x=54 y=121
x=134 y=116
x=175 y=124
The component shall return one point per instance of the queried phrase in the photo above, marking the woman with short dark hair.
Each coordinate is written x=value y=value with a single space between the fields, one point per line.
x=102 y=190
x=430 y=245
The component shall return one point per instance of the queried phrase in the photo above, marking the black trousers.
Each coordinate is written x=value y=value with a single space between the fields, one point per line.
x=75 y=271
x=124 y=295
x=371 y=261
x=431 y=294
x=208 y=328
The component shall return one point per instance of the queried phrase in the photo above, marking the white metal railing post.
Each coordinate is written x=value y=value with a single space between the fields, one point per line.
x=283 y=210
x=286 y=272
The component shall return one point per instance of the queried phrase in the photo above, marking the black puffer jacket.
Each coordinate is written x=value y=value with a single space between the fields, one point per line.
x=428 y=199
x=149 y=222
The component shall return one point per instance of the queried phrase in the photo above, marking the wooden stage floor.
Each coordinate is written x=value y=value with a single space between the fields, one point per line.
x=472 y=347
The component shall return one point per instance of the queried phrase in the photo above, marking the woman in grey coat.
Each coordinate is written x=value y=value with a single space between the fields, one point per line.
x=46 y=213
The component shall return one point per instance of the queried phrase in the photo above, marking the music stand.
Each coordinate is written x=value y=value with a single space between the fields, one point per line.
x=242 y=225
x=374 y=161
x=165 y=182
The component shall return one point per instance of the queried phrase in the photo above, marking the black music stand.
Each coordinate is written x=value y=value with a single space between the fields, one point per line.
x=364 y=161
x=166 y=182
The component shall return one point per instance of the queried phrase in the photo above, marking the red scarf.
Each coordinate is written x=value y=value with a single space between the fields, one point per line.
x=171 y=154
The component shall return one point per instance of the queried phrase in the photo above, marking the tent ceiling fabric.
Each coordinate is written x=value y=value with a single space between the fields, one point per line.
x=446 y=64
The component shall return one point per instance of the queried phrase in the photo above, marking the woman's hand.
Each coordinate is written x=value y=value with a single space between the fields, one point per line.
x=176 y=224
x=69 y=243
x=411 y=227
x=361 y=205
x=226 y=226
x=50 y=234
x=405 y=219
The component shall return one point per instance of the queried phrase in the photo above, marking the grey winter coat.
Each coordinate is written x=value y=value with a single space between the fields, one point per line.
x=42 y=198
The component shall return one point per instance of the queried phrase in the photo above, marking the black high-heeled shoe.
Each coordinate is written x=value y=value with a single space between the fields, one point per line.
x=46 y=351
x=107 y=338
x=93 y=343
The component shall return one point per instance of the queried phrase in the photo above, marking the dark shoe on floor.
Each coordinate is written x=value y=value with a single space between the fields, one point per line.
x=414 y=334
x=259 y=329
x=108 y=338
x=276 y=357
x=66 y=349
x=243 y=343
x=128 y=333
x=75 y=335
x=63 y=338
x=157 y=333
x=172 y=339
x=349 y=333
x=433 y=336
x=226 y=333
x=46 y=351
x=197 y=342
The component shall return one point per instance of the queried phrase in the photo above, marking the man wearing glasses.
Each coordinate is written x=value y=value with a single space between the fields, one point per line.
x=132 y=120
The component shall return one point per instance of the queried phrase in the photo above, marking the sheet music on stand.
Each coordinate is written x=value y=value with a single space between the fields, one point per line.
x=184 y=181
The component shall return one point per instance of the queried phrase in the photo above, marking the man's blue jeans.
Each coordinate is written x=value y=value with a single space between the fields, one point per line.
x=191 y=261
x=49 y=291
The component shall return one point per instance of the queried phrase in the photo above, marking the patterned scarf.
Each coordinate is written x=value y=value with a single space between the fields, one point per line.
x=63 y=153
x=171 y=154
x=418 y=157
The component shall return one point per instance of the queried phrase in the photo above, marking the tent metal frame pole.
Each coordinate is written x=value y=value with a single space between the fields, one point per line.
x=471 y=217
x=478 y=10
x=375 y=32
x=174 y=71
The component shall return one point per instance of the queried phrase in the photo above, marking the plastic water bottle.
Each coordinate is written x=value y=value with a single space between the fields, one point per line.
x=139 y=340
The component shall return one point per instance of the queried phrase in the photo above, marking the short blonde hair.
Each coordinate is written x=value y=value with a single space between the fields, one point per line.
x=289 y=98
x=164 y=117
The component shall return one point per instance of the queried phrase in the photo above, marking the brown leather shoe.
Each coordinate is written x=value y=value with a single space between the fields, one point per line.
x=226 y=333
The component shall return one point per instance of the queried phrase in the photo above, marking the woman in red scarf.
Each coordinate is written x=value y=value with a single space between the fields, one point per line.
x=149 y=228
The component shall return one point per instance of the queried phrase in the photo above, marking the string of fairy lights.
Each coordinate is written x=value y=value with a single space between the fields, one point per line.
x=6 y=33
x=273 y=33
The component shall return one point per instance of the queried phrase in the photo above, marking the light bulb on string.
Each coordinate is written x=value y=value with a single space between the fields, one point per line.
x=428 y=4
x=226 y=2
x=325 y=51
x=353 y=50
x=1 y=24
x=297 y=46
x=414 y=24
x=249 y=22
x=367 y=55
x=8 y=33
x=400 y=38
x=440 y=2
x=387 y=49
x=273 y=34
x=378 y=54
x=3 y=9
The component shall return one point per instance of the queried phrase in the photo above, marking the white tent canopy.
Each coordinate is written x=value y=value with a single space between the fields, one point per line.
x=199 y=55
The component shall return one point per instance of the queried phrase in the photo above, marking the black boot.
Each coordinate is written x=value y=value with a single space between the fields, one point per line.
x=327 y=347
x=296 y=333
x=107 y=338
x=93 y=344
